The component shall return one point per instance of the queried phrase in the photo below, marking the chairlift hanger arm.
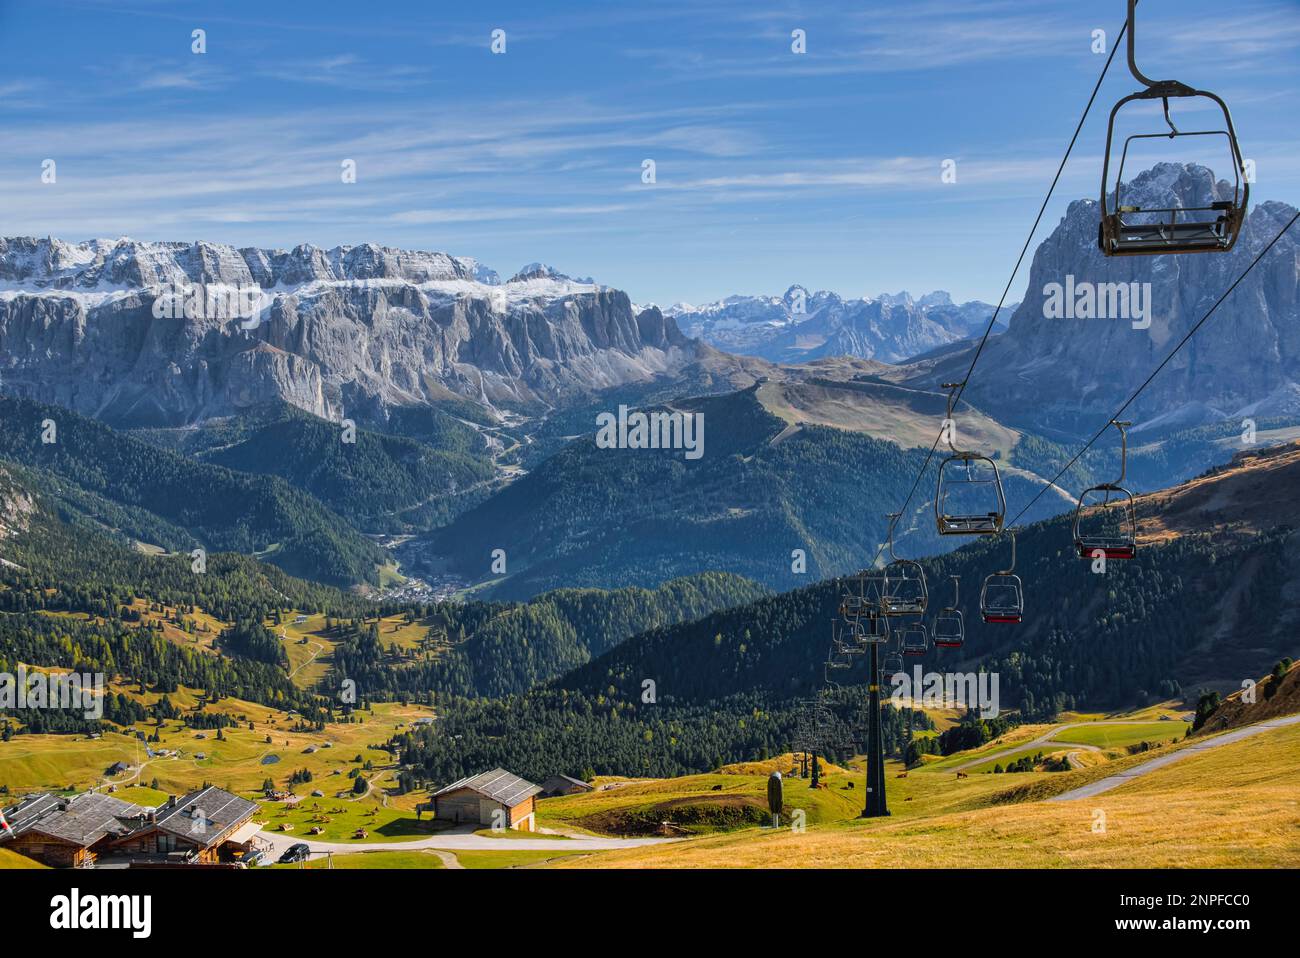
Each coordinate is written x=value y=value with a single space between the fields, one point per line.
x=954 y=389
x=1011 y=569
x=1122 y=426
x=1154 y=87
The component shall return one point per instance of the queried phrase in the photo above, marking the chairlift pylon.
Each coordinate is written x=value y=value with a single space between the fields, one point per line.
x=1113 y=542
x=1002 y=598
x=904 y=591
x=1133 y=231
x=966 y=471
x=949 y=626
x=874 y=628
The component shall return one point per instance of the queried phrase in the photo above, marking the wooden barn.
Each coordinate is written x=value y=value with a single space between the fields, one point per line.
x=564 y=785
x=489 y=798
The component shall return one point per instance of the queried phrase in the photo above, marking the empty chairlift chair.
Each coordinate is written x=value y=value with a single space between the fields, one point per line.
x=915 y=638
x=949 y=626
x=1002 y=599
x=903 y=588
x=968 y=498
x=846 y=640
x=874 y=628
x=1105 y=520
x=892 y=665
x=852 y=606
x=1127 y=230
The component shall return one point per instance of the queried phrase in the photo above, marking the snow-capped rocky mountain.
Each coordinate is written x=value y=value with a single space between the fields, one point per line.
x=1062 y=373
x=801 y=325
x=116 y=329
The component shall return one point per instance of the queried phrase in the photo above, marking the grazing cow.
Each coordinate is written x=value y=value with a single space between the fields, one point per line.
x=716 y=788
x=962 y=775
x=901 y=775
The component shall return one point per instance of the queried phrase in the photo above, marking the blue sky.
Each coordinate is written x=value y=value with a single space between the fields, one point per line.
x=772 y=167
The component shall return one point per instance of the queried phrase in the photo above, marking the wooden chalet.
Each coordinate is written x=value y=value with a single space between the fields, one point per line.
x=68 y=832
x=204 y=827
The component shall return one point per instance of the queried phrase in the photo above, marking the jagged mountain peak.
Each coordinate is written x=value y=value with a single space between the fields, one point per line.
x=349 y=330
x=126 y=263
x=800 y=325
x=1059 y=373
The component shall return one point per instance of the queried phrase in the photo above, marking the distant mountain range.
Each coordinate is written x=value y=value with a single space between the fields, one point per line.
x=801 y=325
x=346 y=332
x=476 y=400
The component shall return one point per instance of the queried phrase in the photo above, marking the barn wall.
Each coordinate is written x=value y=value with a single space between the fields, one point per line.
x=458 y=806
x=48 y=851
x=467 y=805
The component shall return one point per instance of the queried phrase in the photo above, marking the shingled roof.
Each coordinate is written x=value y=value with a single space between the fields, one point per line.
x=220 y=811
x=498 y=785
x=82 y=820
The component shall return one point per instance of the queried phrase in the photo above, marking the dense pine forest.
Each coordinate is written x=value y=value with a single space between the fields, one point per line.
x=381 y=483
x=209 y=505
x=500 y=649
x=1146 y=624
x=553 y=731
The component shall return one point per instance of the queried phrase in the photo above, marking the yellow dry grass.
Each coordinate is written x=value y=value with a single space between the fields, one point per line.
x=1236 y=806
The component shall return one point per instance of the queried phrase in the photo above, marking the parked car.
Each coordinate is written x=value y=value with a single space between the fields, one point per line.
x=297 y=852
x=253 y=858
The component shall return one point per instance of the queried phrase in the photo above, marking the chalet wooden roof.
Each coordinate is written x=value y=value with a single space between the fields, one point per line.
x=498 y=785
x=81 y=820
x=220 y=812
x=560 y=781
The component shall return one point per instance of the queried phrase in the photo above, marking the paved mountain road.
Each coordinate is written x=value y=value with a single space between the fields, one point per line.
x=454 y=840
x=1120 y=778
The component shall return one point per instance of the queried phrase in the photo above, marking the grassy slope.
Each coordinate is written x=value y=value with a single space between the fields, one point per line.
x=1118 y=736
x=10 y=859
x=1231 y=807
x=1272 y=698
x=37 y=762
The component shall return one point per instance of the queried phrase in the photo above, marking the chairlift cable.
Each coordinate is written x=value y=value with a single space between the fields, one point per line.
x=956 y=397
x=1128 y=402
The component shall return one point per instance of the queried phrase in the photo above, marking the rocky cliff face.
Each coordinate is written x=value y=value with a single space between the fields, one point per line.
x=1062 y=373
x=800 y=325
x=337 y=332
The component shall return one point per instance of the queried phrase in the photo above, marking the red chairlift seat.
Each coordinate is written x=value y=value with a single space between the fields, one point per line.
x=949 y=626
x=1119 y=542
x=915 y=639
x=1002 y=597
